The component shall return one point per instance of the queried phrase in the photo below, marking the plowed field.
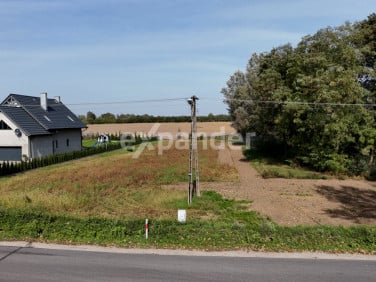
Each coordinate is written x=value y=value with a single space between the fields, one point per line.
x=164 y=130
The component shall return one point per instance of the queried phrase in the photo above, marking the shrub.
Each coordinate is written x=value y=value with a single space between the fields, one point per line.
x=7 y=168
x=372 y=174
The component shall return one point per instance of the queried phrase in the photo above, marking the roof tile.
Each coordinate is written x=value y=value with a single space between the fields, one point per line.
x=29 y=114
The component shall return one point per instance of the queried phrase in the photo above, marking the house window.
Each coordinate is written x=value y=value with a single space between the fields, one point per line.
x=56 y=144
x=67 y=142
x=4 y=126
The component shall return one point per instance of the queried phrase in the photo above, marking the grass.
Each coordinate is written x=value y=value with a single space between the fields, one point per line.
x=228 y=225
x=104 y=199
x=273 y=168
x=110 y=185
x=88 y=142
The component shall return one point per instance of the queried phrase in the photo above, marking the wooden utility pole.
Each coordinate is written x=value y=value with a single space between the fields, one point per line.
x=194 y=177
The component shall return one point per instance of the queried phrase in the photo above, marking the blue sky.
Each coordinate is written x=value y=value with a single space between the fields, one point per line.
x=108 y=52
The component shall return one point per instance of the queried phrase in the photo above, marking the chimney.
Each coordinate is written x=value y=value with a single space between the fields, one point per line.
x=43 y=100
x=57 y=99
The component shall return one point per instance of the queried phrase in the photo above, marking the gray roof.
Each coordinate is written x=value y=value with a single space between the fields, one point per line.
x=28 y=114
x=22 y=119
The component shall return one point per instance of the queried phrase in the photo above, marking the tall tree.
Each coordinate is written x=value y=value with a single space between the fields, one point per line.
x=309 y=99
x=365 y=40
x=235 y=91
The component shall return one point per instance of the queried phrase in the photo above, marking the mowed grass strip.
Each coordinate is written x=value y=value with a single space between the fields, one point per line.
x=110 y=185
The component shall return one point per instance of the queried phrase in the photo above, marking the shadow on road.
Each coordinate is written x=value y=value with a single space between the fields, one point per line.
x=357 y=205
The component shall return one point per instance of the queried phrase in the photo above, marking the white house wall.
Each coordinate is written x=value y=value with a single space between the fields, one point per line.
x=9 y=139
x=63 y=141
x=74 y=137
x=40 y=146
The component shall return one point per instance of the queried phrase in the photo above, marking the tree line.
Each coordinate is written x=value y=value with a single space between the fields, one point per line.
x=91 y=118
x=313 y=104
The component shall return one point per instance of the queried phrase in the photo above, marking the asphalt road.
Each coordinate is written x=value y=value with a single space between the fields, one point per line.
x=38 y=264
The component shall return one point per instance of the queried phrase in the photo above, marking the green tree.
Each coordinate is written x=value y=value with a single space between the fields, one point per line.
x=235 y=92
x=365 y=40
x=308 y=100
x=107 y=118
x=82 y=118
x=90 y=117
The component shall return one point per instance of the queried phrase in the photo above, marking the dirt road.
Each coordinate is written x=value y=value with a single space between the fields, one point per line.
x=299 y=202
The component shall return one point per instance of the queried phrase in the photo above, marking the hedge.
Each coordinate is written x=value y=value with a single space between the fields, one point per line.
x=7 y=167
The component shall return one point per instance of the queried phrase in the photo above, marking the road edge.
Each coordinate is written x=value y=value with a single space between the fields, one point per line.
x=179 y=252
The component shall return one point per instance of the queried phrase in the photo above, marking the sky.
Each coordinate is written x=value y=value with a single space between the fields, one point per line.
x=120 y=56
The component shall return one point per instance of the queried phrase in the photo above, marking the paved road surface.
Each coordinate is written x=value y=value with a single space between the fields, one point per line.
x=39 y=264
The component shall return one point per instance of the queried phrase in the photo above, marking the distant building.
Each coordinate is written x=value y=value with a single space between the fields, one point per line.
x=33 y=127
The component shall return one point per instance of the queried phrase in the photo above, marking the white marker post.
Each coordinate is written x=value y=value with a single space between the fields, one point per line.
x=146 y=229
x=182 y=216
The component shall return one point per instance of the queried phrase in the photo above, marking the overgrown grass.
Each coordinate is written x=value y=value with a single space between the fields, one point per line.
x=228 y=225
x=104 y=199
x=112 y=184
x=269 y=167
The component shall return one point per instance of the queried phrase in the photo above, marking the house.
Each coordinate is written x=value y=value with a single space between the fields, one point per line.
x=34 y=127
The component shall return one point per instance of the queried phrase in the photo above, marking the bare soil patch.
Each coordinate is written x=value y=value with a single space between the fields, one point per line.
x=299 y=202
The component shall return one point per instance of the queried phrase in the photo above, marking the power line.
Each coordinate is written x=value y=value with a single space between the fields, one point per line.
x=146 y=101
x=129 y=102
x=249 y=101
x=278 y=102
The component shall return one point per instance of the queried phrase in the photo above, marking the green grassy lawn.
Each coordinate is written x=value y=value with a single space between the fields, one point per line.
x=88 y=142
x=91 y=142
x=105 y=199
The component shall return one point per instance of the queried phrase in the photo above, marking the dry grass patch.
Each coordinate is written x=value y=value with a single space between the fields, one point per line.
x=112 y=185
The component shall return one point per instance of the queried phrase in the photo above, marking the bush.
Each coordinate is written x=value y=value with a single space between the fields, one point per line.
x=372 y=174
x=358 y=166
